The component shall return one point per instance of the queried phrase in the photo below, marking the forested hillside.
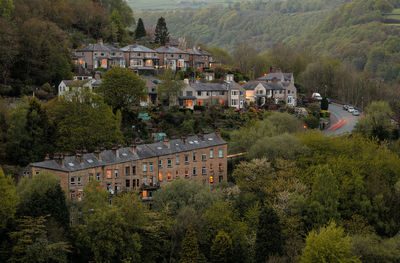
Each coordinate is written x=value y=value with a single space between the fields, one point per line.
x=37 y=37
x=353 y=31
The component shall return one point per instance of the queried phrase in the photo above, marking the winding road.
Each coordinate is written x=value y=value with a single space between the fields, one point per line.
x=341 y=120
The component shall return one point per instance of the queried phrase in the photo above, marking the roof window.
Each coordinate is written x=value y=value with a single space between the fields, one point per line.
x=70 y=164
x=90 y=161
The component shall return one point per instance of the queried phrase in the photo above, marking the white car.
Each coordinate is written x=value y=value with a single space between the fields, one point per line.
x=350 y=109
x=317 y=96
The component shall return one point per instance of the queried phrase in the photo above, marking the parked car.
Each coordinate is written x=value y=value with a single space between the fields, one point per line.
x=317 y=96
x=356 y=113
x=350 y=109
x=345 y=107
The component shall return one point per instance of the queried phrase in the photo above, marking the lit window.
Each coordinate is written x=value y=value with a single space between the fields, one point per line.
x=169 y=176
x=221 y=153
x=144 y=193
x=144 y=165
x=186 y=173
x=211 y=154
x=211 y=179
x=109 y=174
x=160 y=177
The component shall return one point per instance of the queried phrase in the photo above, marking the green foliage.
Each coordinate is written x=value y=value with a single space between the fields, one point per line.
x=372 y=248
x=269 y=239
x=168 y=91
x=43 y=196
x=140 y=30
x=9 y=200
x=190 y=247
x=328 y=244
x=311 y=122
x=221 y=248
x=161 y=32
x=6 y=8
x=324 y=104
x=377 y=123
x=84 y=124
x=31 y=243
x=122 y=88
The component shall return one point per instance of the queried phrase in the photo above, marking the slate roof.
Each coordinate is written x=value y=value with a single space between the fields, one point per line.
x=210 y=86
x=137 y=48
x=69 y=82
x=170 y=50
x=268 y=86
x=99 y=47
x=279 y=76
x=144 y=151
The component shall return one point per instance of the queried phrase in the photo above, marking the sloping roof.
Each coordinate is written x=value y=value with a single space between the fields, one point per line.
x=271 y=76
x=99 y=47
x=251 y=85
x=89 y=160
x=170 y=50
x=70 y=82
x=138 y=48
x=268 y=86
x=210 y=86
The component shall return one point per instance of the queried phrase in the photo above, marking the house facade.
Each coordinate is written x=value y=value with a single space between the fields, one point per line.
x=72 y=89
x=142 y=167
x=140 y=57
x=172 y=58
x=98 y=55
x=200 y=59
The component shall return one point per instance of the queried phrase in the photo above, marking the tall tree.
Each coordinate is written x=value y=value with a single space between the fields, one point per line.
x=269 y=241
x=122 y=88
x=168 y=91
x=190 y=247
x=6 y=8
x=328 y=244
x=221 y=248
x=161 y=32
x=8 y=200
x=140 y=30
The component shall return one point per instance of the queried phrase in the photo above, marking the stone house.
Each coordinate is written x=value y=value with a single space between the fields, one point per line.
x=140 y=57
x=172 y=58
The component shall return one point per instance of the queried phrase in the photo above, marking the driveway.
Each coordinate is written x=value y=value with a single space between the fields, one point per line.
x=341 y=120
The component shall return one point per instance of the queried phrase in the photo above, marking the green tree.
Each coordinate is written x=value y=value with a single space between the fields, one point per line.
x=6 y=8
x=43 y=196
x=140 y=30
x=9 y=200
x=324 y=104
x=377 y=123
x=168 y=91
x=269 y=241
x=221 y=248
x=161 y=32
x=118 y=26
x=122 y=88
x=190 y=247
x=85 y=125
x=31 y=243
x=324 y=198
x=328 y=244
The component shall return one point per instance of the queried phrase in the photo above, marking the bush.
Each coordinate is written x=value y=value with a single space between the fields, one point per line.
x=312 y=122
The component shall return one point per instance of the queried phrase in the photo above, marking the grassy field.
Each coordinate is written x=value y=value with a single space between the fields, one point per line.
x=162 y=5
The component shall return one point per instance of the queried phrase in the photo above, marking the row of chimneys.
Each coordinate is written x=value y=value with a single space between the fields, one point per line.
x=59 y=158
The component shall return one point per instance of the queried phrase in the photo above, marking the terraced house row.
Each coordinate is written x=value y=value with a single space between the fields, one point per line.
x=143 y=167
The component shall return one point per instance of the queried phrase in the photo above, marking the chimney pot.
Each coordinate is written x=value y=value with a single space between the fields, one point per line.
x=47 y=157
x=184 y=140
x=167 y=142
x=133 y=147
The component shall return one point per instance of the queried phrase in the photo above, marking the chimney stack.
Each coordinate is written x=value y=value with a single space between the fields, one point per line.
x=59 y=158
x=167 y=142
x=47 y=157
x=84 y=151
x=100 y=41
x=184 y=140
x=115 y=151
x=97 y=153
x=201 y=135
x=79 y=157
x=218 y=133
x=132 y=147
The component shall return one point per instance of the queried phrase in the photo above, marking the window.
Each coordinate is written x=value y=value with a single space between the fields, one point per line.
x=144 y=193
x=128 y=183
x=211 y=167
x=90 y=177
x=199 y=93
x=144 y=167
x=234 y=102
x=280 y=92
x=194 y=156
x=208 y=93
x=127 y=170
x=139 y=55
x=220 y=166
x=186 y=173
x=160 y=163
x=37 y=172
x=151 y=167
x=116 y=173
x=189 y=93
x=186 y=159
x=203 y=170
x=194 y=171
x=109 y=174
x=211 y=179
x=137 y=182
x=214 y=93
x=160 y=177
x=72 y=180
x=169 y=162
x=288 y=92
x=222 y=93
x=211 y=154
x=169 y=176
x=204 y=157
x=177 y=160
x=133 y=170
x=221 y=153
x=98 y=176
x=79 y=180
x=234 y=92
